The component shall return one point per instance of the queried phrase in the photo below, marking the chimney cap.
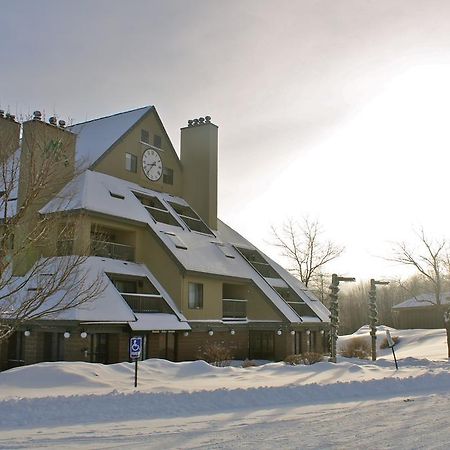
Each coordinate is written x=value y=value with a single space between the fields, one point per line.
x=62 y=123
x=199 y=121
x=37 y=115
x=53 y=120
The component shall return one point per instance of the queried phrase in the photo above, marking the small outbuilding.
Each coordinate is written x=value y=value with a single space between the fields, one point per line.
x=421 y=311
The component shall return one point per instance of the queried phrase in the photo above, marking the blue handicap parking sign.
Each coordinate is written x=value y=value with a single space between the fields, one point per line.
x=135 y=347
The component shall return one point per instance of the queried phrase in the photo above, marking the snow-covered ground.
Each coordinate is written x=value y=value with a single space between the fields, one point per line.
x=352 y=404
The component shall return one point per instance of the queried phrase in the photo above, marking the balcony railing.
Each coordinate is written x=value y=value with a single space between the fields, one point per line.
x=147 y=303
x=112 y=250
x=234 y=308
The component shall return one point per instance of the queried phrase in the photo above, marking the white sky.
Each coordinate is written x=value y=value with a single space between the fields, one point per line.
x=330 y=109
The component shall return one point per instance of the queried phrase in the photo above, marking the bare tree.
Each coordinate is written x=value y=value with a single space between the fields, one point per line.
x=304 y=246
x=429 y=258
x=41 y=273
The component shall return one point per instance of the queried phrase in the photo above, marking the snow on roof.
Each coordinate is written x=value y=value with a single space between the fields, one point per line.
x=423 y=301
x=158 y=322
x=95 y=137
x=109 y=305
x=92 y=191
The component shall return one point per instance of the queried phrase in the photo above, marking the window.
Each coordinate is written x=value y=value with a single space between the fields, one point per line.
x=131 y=162
x=53 y=347
x=195 y=299
x=157 y=141
x=176 y=240
x=190 y=218
x=127 y=286
x=99 y=348
x=257 y=261
x=167 y=175
x=145 y=136
x=157 y=210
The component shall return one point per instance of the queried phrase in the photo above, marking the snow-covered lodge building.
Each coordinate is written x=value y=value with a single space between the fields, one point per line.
x=172 y=271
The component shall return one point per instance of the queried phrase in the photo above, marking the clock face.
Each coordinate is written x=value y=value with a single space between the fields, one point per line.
x=152 y=165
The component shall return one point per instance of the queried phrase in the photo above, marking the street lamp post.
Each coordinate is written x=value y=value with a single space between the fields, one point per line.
x=334 y=312
x=373 y=314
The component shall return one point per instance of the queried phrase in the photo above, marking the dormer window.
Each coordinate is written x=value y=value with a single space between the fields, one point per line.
x=190 y=218
x=157 y=210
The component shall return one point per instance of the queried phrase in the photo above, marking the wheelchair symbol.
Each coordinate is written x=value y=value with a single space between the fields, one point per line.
x=135 y=347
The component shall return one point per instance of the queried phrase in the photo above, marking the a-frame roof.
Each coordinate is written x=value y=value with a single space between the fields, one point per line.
x=95 y=137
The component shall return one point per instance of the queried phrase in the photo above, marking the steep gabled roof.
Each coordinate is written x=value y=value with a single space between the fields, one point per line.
x=108 y=305
x=213 y=254
x=95 y=137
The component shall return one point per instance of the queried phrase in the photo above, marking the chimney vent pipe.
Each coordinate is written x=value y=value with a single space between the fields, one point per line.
x=52 y=120
x=37 y=115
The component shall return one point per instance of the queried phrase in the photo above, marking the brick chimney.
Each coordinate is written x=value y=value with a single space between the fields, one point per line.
x=199 y=153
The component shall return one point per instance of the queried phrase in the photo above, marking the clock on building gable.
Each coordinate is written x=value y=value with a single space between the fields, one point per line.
x=152 y=165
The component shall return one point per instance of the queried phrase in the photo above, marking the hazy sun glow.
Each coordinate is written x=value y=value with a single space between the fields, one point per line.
x=382 y=173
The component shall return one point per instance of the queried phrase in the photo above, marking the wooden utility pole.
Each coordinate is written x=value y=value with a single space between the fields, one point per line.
x=373 y=314
x=334 y=312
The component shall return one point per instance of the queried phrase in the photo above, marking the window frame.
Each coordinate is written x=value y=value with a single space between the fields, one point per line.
x=131 y=162
x=167 y=175
x=195 y=295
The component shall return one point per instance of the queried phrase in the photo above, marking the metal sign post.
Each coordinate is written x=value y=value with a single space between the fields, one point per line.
x=391 y=345
x=135 y=353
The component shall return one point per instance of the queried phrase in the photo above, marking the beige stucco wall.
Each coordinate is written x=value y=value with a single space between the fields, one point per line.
x=199 y=155
x=113 y=162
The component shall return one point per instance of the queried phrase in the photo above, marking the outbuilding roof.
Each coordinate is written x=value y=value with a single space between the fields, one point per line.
x=423 y=301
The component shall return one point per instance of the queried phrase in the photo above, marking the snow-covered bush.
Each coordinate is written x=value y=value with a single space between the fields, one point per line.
x=357 y=347
x=306 y=358
x=249 y=363
x=216 y=354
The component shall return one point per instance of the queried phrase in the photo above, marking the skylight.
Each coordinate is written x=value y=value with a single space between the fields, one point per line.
x=257 y=261
x=190 y=218
x=176 y=240
x=224 y=249
x=156 y=209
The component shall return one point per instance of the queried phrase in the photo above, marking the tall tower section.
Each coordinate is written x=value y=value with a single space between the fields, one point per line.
x=199 y=155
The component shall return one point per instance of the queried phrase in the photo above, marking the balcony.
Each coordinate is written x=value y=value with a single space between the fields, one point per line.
x=234 y=309
x=147 y=303
x=112 y=250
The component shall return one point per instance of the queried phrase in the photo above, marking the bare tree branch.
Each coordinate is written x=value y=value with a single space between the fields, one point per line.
x=301 y=244
x=430 y=259
x=36 y=283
